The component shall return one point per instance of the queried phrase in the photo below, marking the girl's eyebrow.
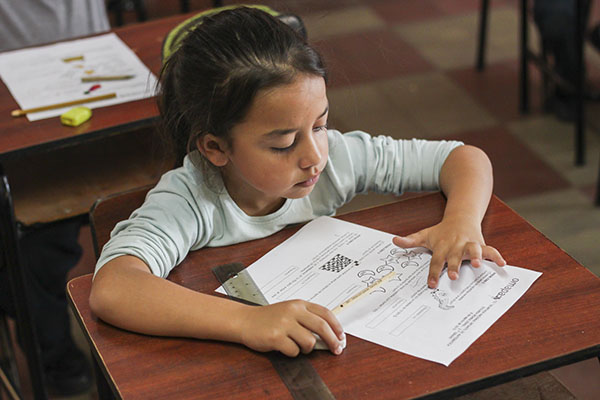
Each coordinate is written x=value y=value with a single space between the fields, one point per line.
x=281 y=132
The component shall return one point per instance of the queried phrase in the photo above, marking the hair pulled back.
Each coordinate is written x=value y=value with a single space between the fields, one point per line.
x=209 y=83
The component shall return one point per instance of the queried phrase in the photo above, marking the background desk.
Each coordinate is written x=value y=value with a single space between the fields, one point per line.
x=555 y=323
x=50 y=178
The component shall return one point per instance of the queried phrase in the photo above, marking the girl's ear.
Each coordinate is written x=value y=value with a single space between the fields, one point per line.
x=214 y=149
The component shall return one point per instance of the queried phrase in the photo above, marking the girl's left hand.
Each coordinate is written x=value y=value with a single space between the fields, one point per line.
x=451 y=241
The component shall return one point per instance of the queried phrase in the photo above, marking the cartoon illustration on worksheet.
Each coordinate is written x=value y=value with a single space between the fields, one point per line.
x=443 y=299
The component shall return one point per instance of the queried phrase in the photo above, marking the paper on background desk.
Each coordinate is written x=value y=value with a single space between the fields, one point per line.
x=39 y=76
x=329 y=260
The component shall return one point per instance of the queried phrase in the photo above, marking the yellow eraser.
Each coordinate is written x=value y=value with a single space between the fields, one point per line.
x=76 y=116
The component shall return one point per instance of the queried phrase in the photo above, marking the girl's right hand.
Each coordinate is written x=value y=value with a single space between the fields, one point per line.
x=288 y=327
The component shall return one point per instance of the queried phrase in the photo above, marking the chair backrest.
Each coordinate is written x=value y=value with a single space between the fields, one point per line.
x=108 y=211
x=10 y=259
x=174 y=38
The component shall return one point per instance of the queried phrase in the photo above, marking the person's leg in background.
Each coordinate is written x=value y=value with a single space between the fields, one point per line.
x=50 y=252
x=556 y=22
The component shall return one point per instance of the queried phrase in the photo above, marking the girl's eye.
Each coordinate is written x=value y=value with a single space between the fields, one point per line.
x=284 y=149
x=320 y=128
x=291 y=146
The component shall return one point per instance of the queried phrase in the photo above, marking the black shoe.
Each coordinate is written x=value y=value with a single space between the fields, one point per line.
x=70 y=375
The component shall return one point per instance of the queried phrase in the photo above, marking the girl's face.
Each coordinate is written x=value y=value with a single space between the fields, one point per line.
x=281 y=147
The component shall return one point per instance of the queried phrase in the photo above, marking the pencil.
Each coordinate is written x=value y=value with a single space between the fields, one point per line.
x=106 y=78
x=20 y=113
x=363 y=292
x=76 y=58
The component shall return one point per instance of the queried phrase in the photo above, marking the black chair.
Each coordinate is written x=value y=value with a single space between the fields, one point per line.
x=527 y=55
x=103 y=216
x=185 y=5
x=117 y=7
x=9 y=374
x=10 y=259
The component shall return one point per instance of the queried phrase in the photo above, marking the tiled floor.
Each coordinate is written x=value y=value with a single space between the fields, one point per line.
x=406 y=69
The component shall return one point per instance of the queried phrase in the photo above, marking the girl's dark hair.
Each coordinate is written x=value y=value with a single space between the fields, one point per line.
x=209 y=83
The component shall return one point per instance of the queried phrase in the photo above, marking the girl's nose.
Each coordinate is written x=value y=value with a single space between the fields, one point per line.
x=310 y=153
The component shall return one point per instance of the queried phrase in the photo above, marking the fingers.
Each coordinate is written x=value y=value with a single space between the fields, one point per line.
x=294 y=328
x=413 y=240
x=453 y=258
x=473 y=252
x=324 y=323
x=289 y=347
x=303 y=339
x=329 y=317
x=435 y=269
x=490 y=253
x=476 y=253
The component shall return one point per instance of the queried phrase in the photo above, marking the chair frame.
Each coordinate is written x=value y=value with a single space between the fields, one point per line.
x=17 y=276
x=526 y=55
x=103 y=216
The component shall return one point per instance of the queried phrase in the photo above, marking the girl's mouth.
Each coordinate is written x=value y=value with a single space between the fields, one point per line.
x=309 y=182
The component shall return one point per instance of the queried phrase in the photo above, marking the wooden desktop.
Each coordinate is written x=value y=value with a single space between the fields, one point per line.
x=57 y=172
x=555 y=323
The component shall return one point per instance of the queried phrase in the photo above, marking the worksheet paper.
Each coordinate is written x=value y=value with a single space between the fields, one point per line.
x=330 y=260
x=51 y=74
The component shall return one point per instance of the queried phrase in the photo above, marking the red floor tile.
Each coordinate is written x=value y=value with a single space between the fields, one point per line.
x=394 y=12
x=497 y=88
x=518 y=171
x=368 y=56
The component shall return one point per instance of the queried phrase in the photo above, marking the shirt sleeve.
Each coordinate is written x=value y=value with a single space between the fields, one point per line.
x=385 y=165
x=160 y=232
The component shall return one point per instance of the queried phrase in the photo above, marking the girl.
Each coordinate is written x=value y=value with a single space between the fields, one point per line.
x=245 y=94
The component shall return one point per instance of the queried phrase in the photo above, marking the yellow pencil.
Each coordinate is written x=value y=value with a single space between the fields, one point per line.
x=363 y=292
x=76 y=58
x=106 y=78
x=20 y=113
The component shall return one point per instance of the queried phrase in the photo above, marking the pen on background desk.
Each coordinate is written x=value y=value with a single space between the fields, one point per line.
x=363 y=292
x=106 y=78
x=20 y=113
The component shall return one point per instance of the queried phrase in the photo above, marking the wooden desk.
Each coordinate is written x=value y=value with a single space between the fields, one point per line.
x=555 y=323
x=46 y=190
x=20 y=137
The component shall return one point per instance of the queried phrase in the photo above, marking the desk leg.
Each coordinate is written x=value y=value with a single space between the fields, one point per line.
x=104 y=390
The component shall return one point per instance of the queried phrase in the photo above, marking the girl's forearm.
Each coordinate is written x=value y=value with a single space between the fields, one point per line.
x=467 y=181
x=125 y=294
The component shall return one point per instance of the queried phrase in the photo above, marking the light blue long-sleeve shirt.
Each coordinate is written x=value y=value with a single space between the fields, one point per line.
x=184 y=213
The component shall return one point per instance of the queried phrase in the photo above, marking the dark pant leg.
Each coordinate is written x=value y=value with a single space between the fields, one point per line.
x=556 y=22
x=49 y=252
